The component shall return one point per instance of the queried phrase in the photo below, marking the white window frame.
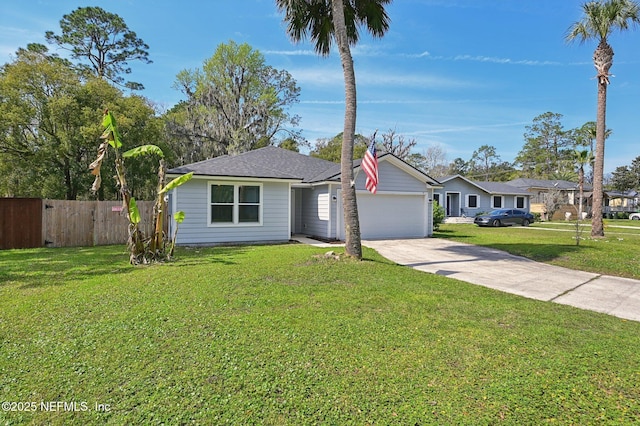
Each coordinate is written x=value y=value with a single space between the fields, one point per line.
x=493 y=204
x=524 y=202
x=236 y=204
x=466 y=201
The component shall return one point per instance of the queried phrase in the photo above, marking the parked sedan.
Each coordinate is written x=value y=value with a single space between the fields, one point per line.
x=504 y=217
x=634 y=216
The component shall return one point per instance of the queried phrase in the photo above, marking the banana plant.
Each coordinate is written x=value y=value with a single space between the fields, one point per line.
x=141 y=249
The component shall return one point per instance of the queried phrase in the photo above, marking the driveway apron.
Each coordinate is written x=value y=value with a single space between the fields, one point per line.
x=514 y=274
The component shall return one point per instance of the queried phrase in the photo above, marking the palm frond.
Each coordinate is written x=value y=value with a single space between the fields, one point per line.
x=312 y=19
x=602 y=17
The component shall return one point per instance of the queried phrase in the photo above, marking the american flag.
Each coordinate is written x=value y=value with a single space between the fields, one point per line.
x=370 y=166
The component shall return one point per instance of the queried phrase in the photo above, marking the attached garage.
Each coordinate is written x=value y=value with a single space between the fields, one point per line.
x=393 y=215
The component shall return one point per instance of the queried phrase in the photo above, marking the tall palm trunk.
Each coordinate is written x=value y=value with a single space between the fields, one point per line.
x=353 y=244
x=581 y=189
x=602 y=59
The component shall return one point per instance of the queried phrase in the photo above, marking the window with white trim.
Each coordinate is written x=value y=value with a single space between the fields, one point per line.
x=472 y=201
x=235 y=204
x=520 y=202
x=497 y=201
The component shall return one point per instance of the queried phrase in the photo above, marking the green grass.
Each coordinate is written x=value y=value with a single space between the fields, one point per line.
x=617 y=254
x=622 y=222
x=277 y=335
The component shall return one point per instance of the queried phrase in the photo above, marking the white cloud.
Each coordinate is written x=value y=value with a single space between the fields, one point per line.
x=325 y=76
x=367 y=50
x=360 y=50
x=479 y=58
x=469 y=128
x=417 y=55
x=297 y=52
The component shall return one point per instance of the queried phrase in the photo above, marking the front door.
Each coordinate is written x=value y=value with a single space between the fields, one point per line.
x=453 y=204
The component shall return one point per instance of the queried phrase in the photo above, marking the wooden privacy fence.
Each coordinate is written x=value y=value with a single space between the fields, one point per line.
x=29 y=222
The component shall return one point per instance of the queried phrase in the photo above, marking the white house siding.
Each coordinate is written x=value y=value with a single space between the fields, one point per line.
x=316 y=211
x=192 y=198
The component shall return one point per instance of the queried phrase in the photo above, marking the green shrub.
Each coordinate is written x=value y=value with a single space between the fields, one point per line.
x=438 y=215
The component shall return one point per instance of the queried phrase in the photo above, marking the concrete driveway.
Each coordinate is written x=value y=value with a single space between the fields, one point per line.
x=513 y=274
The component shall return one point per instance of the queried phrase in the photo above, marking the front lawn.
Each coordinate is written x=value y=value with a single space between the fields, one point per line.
x=617 y=254
x=277 y=335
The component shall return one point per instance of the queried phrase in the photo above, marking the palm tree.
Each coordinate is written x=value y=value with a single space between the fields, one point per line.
x=586 y=136
x=601 y=18
x=324 y=21
x=581 y=158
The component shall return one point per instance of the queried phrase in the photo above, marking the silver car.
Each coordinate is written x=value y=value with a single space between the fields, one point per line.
x=504 y=217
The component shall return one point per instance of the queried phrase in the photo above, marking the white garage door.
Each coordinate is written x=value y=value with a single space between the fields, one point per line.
x=391 y=216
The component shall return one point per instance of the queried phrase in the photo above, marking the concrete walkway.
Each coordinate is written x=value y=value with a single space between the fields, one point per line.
x=513 y=274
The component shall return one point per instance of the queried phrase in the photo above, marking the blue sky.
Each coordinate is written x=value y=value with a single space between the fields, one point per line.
x=457 y=73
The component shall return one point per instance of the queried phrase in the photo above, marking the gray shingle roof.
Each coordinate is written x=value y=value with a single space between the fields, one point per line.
x=274 y=163
x=526 y=183
x=501 y=188
x=268 y=162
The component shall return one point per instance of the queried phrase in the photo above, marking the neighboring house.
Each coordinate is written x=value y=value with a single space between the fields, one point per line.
x=616 y=201
x=268 y=194
x=463 y=197
x=539 y=188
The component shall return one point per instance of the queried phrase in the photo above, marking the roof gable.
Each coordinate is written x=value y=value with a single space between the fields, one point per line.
x=502 y=188
x=402 y=165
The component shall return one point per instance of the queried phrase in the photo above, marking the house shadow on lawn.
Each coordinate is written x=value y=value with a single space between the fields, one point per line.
x=190 y=256
x=538 y=252
x=448 y=233
x=35 y=268
x=531 y=251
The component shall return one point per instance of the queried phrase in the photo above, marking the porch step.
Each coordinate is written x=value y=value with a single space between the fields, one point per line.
x=458 y=220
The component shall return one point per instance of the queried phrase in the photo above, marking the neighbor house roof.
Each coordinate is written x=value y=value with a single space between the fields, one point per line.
x=501 y=188
x=620 y=194
x=526 y=183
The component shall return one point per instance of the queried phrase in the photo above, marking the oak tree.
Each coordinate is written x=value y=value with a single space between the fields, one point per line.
x=234 y=103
